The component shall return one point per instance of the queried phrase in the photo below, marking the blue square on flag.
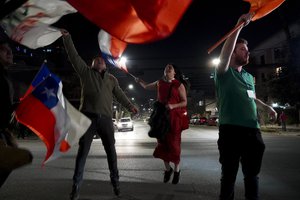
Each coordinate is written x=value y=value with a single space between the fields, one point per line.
x=46 y=92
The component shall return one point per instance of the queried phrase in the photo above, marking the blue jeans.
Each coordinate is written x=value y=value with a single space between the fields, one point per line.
x=103 y=126
x=240 y=144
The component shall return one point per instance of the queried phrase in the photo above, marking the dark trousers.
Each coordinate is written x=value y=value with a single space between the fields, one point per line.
x=240 y=144
x=3 y=176
x=102 y=126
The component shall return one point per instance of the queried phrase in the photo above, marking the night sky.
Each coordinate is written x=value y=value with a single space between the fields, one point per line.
x=204 y=23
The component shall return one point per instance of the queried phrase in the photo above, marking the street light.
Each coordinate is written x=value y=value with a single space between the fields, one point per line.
x=130 y=86
x=215 y=62
x=123 y=60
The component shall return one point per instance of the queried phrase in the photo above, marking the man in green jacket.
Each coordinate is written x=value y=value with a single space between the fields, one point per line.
x=98 y=87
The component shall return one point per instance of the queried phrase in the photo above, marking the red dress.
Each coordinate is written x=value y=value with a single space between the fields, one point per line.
x=169 y=148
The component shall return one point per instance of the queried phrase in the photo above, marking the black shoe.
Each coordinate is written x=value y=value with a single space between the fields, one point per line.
x=176 y=177
x=117 y=190
x=74 y=195
x=167 y=175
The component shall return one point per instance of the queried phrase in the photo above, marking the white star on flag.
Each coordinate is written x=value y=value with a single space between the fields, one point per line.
x=49 y=92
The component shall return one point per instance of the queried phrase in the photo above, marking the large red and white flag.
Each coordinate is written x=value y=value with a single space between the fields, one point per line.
x=46 y=111
x=29 y=25
x=261 y=8
x=112 y=49
x=134 y=21
x=258 y=9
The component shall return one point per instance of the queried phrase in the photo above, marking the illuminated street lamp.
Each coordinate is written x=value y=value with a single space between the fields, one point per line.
x=123 y=60
x=130 y=86
x=215 y=62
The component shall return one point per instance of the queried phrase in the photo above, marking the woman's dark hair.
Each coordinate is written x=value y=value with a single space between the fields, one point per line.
x=180 y=77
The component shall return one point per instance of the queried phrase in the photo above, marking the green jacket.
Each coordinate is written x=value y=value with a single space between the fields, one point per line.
x=96 y=92
x=234 y=105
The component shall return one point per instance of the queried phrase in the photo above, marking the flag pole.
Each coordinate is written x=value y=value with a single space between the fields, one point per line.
x=238 y=26
x=132 y=75
x=225 y=37
x=29 y=89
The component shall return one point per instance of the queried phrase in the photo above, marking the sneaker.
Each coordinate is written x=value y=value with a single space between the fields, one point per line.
x=74 y=195
x=167 y=175
x=176 y=177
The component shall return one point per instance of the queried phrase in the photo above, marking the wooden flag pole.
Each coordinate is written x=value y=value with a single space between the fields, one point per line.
x=132 y=75
x=225 y=37
x=238 y=26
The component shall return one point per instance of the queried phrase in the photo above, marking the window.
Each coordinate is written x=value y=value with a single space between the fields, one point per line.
x=262 y=60
x=277 y=53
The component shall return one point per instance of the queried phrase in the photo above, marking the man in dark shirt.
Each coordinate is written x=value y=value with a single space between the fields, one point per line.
x=98 y=88
x=11 y=157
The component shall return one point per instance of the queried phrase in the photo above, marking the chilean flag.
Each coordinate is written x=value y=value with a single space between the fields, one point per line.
x=112 y=49
x=29 y=25
x=134 y=21
x=48 y=114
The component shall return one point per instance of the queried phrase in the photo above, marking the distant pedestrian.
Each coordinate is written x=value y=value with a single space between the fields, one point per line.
x=240 y=138
x=283 y=119
x=171 y=91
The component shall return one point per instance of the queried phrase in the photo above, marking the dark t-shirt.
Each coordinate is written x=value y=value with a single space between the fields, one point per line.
x=6 y=99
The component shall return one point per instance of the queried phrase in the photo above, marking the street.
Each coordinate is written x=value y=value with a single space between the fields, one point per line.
x=141 y=175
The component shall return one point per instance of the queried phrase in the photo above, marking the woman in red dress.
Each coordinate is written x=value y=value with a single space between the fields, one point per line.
x=172 y=92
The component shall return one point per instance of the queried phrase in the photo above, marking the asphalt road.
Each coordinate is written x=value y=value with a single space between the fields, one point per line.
x=141 y=175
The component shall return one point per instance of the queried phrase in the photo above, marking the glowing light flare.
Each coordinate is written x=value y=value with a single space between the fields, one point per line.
x=215 y=61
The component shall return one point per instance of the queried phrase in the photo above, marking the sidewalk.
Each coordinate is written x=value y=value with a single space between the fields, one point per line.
x=275 y=129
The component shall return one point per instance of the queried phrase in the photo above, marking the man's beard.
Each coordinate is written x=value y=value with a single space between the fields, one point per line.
x=241 y=61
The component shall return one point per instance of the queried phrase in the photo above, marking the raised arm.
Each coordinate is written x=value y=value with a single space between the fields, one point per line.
x=229 y=45
x=77 y=62
x=147 y=86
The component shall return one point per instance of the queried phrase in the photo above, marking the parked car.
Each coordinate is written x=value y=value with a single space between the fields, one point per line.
x=199 y=121
x=213 y=121
x=194 y=120
x=146 y=120
x=125 y=123
x=202 y=120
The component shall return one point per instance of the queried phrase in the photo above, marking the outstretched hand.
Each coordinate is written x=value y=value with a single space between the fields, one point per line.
x=137 y=79
x=245 y=18
x=64 y=32
x=272 y=113
x=134 y=110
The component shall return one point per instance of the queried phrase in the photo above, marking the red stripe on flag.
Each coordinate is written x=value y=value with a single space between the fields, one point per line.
x=64 y=146
x=35 y=115
x=134 y=21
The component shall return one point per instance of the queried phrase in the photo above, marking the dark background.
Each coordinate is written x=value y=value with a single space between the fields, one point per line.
x=203 y=24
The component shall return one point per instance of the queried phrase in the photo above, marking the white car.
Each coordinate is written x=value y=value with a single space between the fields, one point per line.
x=125 y=123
